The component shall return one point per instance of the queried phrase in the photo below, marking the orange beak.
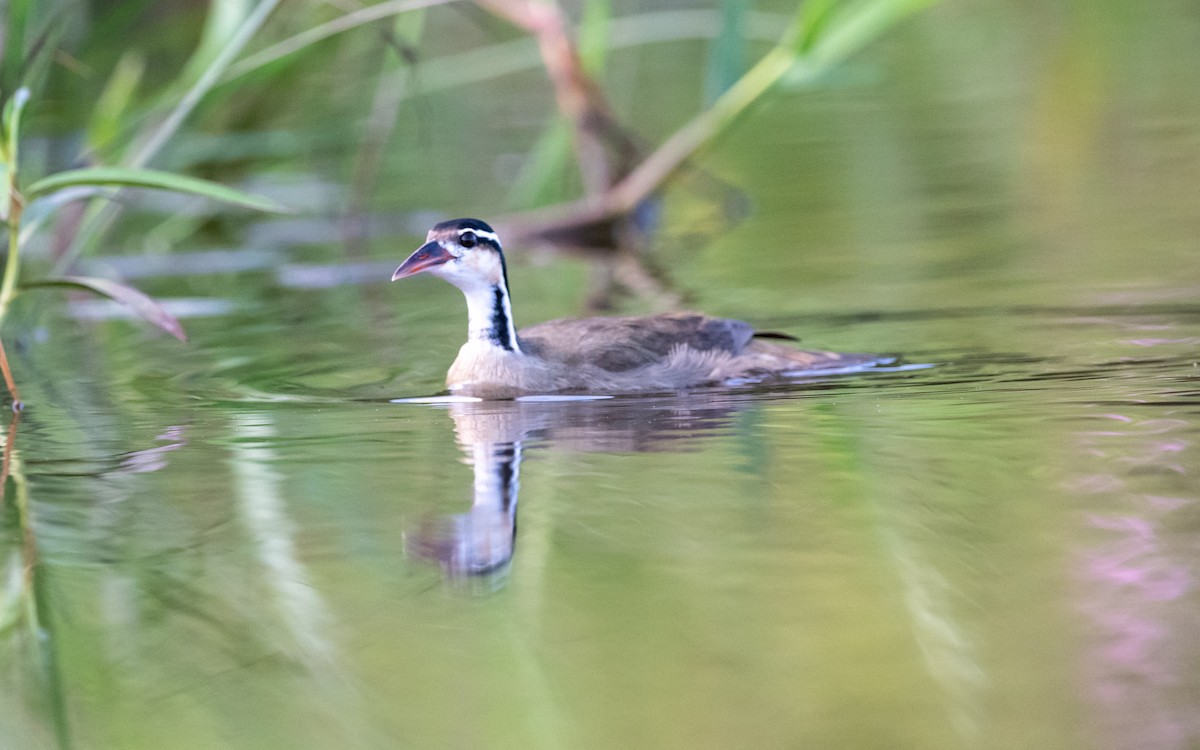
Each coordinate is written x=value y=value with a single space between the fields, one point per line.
x=430 y=255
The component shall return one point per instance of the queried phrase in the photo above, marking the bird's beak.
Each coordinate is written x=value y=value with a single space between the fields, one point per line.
x=430 y=255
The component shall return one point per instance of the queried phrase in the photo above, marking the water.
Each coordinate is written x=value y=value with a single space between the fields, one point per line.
x=247 y=542
x=998 y=550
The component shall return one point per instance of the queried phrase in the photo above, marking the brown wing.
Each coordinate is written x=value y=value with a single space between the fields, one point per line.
x=620 y=344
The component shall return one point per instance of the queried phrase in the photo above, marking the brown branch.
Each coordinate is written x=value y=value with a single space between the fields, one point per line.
x=17 y=405
x=605 y=150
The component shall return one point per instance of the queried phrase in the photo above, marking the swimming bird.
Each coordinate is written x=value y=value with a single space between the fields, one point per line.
x=603 y=355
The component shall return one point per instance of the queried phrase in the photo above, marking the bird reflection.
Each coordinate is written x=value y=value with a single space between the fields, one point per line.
x=481 y=540
x=491 y=434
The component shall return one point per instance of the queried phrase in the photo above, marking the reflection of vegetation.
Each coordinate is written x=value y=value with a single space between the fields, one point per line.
x=25 y=604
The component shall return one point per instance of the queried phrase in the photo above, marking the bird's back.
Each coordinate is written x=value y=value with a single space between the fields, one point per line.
x=628 y=343
x=667 y=351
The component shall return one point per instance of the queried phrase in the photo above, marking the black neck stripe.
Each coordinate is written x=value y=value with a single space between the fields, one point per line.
x=499 y=334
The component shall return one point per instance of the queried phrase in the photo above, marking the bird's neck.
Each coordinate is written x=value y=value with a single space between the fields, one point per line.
x=490 y=319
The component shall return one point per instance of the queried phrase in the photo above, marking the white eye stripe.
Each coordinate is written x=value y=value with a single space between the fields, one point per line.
x=481 y=233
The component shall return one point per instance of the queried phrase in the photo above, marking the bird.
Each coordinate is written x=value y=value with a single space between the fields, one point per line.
x=598 y=355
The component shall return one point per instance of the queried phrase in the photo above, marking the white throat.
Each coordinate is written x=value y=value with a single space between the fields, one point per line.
x=489 y=316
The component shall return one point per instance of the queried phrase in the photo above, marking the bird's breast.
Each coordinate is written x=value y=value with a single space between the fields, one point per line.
x=488 y=371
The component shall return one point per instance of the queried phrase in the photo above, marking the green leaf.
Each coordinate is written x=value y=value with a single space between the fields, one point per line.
x=809 y=22
x=149 y=178
x=12 y=117
x=10 y=127
x=142 y=304
x=10 y=135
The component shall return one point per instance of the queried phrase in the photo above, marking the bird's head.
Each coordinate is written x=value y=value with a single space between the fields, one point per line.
x=465 y=252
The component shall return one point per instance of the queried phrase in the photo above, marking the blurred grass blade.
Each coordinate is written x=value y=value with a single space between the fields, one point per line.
x=38 y=610
x=402 y=37
x=40 y=211
x=406 y=31
x=541 y=177
x=726 y=55
x=11 y=593
x=142 y=304
x=221 y=24
x=292 y=45
x=16 y=20
x=809 y=22
x=593 y=35
x=44 y=31
x=149 y=178
x=10 y=138
x=113 y=104
x=12 y=121
x=206 y=79
x=855 y=26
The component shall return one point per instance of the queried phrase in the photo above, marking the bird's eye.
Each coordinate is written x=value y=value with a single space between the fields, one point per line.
x=468 y=239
